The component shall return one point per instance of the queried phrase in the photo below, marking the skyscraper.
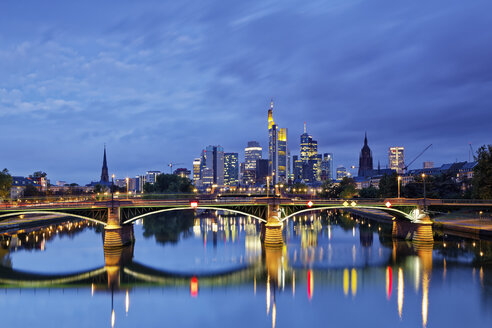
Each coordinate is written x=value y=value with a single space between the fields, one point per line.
x=365 y=160
x=251 y=153
x=311 y=161
x=396 y=158
x=231 y=169
x=196 y=170
x=104 y=172
x=277 y=149
x=212 y=165
x=327 y=167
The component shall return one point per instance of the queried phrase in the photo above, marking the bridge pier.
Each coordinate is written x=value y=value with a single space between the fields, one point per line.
x=114 y=259
x=115 y=234
x=416 y=232
x=272 y=229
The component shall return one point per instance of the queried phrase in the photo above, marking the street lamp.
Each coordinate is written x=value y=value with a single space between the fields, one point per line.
x=423 y=179
x=127 y=181
x=112 y=193
x=399 y=181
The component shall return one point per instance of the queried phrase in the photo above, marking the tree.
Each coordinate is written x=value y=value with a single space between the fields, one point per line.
x=482 y=174
x=99 y=188
x=5 y=184
x=388 y=185
x=31 y=191
x=369 y=192
x=169 y=183
x=38 y=174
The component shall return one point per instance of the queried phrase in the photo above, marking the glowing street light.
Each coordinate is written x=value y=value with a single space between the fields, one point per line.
x=399 y=181
x=310 y=204
x=194 y=204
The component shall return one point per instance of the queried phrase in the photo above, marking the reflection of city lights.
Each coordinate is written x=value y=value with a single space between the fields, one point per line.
x=274 y=315
x=127 y=302
x=194 y=287
x=389 y=282
x=113 y=318
x=354 y=282
x=346 y=280
x=310 y=284
x=425 y=297
x=293 y=283
x=268 y=294
x=400 y=291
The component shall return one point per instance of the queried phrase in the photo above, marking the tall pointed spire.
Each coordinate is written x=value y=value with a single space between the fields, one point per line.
x=365 y=139
x=104 y=171
x=271 y=104
x=305 y=127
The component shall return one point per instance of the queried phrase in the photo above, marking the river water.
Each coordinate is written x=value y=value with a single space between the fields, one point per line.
x=212 y=271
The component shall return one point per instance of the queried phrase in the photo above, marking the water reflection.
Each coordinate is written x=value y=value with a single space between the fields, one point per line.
x=202 y=255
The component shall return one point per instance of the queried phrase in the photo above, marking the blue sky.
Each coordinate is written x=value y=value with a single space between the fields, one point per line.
x=158 y=81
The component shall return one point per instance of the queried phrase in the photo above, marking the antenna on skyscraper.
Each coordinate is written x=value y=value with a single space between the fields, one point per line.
x=271 y=103
x=304 y=127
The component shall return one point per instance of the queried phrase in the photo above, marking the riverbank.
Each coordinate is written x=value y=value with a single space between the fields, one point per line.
x=468 y=227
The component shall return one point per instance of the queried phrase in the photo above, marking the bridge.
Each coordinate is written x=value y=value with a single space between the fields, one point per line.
x=117 y=216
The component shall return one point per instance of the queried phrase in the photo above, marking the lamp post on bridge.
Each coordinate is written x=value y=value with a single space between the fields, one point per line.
x=112 y=193
x=399 y=182
x=423 y=179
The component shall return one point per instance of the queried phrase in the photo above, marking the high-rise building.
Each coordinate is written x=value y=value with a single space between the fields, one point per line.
x=282 y=155
x=341 y=173
x=365 y=160
x=213 y=159
x=396 y=158
x=251 y=153
x=297 y=163
x=196 y=170
x=327 y=167
x=277 y=149
x=231 y=169
x=104 y=172
x=311 y=161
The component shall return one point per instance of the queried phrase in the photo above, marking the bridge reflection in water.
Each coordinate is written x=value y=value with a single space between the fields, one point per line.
x=303 y=254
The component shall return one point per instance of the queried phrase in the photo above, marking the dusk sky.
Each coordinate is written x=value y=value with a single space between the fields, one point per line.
x=158 y=81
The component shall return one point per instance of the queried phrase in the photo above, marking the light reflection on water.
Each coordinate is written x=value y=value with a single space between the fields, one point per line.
x=332 y=269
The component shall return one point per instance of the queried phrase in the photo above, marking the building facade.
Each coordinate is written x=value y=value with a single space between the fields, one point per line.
x=231 y=169
x=396 y=159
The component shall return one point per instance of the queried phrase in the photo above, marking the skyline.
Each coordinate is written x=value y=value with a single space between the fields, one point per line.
x=159 y=83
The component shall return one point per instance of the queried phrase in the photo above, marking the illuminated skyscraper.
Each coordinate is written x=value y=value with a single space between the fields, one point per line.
x=396 y=158
x=196 y=170
x=365 y=160
x=252 y=153
x=277 y=149
x=231 y=169
x=311 y=161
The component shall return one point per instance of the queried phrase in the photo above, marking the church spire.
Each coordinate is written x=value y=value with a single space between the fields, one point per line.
x=104 y=171
x=365 y=139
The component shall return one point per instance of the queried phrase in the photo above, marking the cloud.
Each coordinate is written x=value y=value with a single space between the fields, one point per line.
x=158 y=81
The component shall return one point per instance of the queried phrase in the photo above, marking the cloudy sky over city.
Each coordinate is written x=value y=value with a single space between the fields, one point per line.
x=158 y=81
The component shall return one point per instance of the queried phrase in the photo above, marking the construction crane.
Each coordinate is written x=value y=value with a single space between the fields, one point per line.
x=471 y=153
x=421 y=153
x=173 y=164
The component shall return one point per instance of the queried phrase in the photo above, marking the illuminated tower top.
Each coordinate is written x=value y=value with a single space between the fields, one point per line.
x=271 y=122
